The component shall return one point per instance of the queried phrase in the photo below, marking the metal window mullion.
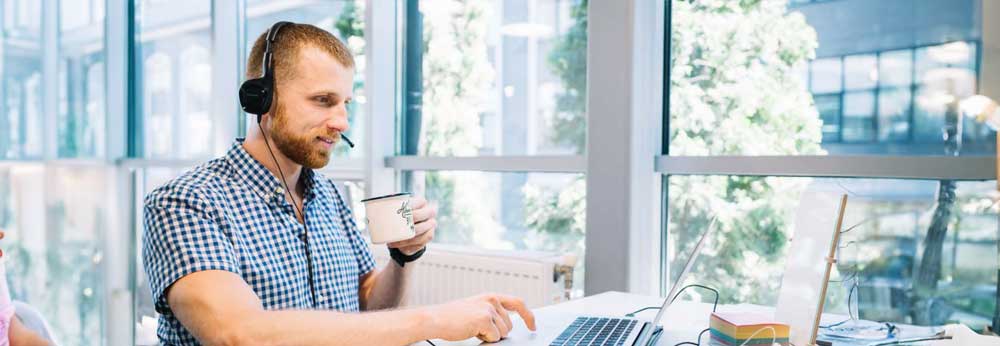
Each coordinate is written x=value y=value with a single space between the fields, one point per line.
x=624 y=77
x=912 y=128
x=876 y=113
x=843 y=96
x=382 y=50
x=875 y=167
x=549 y=164
x=227 y=45
x=50 y=78
x=134 y=102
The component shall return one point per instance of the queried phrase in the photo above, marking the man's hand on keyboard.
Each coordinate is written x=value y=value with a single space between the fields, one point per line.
x=483 y=316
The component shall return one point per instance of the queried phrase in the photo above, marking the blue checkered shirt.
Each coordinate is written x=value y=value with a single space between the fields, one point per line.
x=230 y=214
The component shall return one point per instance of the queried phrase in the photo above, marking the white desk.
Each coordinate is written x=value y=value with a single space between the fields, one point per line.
x=682 y=321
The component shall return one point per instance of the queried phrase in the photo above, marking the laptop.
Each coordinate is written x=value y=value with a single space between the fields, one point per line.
x=613 y=331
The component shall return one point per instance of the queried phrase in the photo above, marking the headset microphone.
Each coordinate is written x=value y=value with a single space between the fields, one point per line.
x=348 y=140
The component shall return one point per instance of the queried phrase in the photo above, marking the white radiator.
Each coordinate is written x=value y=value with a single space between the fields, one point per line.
x=447 y=272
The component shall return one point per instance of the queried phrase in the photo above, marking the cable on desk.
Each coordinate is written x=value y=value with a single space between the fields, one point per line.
x=691 y=343
x=714 y=305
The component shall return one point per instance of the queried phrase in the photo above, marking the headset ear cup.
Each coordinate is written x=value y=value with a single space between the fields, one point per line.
x=255 y=96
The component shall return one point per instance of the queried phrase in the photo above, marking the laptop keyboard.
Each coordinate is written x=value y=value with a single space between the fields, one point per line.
x=595 y=331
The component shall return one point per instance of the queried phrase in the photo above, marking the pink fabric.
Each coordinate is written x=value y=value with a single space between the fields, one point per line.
x=6 y=307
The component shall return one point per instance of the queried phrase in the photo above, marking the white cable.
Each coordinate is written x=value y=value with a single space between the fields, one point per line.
x=774 y=336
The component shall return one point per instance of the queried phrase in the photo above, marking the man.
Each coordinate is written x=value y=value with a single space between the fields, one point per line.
x=257 y=248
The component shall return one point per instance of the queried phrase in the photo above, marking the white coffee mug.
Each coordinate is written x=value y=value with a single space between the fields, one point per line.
x=389 y=218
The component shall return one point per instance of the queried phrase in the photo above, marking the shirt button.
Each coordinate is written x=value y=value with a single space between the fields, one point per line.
x=279 y=190
x=322 y=297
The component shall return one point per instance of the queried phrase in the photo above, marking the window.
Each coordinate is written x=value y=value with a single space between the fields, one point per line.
x=56 y=218
x=53 y=183
x=876 y=92
x=511 y=82
x=537 y=211
x=174 y=41
x=507 y=87
x=21 y=133
x=881 y=257
x=866 y=92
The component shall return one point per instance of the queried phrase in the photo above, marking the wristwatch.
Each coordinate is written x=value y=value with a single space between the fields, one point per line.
x=402 y=259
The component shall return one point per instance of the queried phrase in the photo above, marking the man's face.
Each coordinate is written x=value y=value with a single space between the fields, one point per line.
x=311 y=109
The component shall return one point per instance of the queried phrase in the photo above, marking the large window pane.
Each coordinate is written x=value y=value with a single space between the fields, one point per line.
x=896 y=68
x=174 y=58
x=829 y=112
x=860 y=72
x=897 y=223
x=826 y=75
x=342 y=18
x=79 y=84
x=508 y=211
x=893 y=115
x=56 y=218
x=496 y=78
x=21 y=78
x=859 y=110
x=81 y=113
x=730 y=93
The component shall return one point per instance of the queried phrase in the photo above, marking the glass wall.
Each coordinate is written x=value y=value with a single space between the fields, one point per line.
x=56 y=219
x=500 y=80
x=837 y=78
x=888 y=89
x=891 y=240
x=510 y=81
x=175 y=60
x=53 y=108
x=21 y=85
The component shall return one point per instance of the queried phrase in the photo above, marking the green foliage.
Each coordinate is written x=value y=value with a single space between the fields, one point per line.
x=733 y=92
x=568 y=60
x=350 y=22
x=351 y=27
x=455 y=91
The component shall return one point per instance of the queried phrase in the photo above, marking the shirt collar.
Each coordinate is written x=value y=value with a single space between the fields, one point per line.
x=262 y=182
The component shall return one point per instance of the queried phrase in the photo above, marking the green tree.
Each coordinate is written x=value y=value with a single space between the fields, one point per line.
x=733 y=92
x=558 y=217
x=568 y=60
x=456 y=88
x=351 y=27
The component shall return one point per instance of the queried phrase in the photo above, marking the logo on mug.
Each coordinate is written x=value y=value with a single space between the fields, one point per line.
x=406 y=213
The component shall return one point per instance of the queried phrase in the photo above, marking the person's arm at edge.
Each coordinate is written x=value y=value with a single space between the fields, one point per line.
x=20 y=335
x=218 y=308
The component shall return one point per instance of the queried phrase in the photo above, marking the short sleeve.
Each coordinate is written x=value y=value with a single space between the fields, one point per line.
x=182 y=236
x=362 y=252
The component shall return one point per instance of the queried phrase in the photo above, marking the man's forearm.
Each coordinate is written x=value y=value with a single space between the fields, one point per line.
x=389 y=287
x=312 y=327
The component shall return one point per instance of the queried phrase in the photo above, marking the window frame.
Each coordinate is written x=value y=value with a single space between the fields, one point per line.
x=958 y=168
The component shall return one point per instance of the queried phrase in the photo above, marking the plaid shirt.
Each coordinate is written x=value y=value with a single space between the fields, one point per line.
x=230 y=214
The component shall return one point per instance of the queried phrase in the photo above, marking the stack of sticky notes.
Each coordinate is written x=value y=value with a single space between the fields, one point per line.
x=746 y=328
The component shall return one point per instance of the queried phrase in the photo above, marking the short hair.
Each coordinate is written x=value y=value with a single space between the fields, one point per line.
x=287 y=45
